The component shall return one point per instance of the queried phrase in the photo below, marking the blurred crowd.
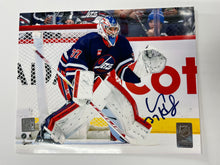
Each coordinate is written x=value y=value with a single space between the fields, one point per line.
x=133 y=22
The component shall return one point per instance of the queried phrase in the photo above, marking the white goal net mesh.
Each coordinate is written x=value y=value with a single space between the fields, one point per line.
x=32 y=100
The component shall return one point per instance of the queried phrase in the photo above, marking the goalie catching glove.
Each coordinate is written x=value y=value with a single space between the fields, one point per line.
x=151 y=61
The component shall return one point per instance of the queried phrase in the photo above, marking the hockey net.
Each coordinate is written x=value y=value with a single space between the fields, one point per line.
x=38 y=93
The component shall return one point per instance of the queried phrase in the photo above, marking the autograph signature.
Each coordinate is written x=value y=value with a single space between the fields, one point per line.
x=162 y=109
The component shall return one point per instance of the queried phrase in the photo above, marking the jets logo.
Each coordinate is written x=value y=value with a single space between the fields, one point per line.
x=104 y=64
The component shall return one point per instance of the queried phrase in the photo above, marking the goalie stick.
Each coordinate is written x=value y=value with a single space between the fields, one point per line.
x=104 y=117
x=157 y=31
x=140 y=22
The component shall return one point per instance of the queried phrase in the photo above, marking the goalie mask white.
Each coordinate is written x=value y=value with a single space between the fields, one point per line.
x=109 y=28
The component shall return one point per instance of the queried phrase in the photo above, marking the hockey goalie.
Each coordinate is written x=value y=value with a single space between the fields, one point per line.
x=86 y=65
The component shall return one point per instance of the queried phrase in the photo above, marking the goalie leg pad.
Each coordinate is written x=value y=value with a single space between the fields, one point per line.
x=67 y=121
x=123 y=106
x=74 y=121
x=101 y=92
x=138 y=132
x=114 y=119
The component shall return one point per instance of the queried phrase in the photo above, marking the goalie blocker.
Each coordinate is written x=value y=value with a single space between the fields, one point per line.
x=105 y=93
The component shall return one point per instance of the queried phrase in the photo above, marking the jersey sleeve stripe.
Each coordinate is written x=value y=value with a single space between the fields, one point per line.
x=71 y=69
x=62 y=63
x=64 y=59
x=79 y=66
x=70 y=73
x=129 y=60
x=121 y=67
x=65 y=55
x=119 y=72
x=122 y=73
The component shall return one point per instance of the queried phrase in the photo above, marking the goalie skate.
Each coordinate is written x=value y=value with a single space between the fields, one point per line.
x=44 y=137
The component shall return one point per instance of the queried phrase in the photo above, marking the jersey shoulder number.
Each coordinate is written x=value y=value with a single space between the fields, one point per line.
x=76 y=53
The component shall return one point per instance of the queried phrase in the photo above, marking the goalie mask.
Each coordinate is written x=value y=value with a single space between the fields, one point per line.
x=109 y=28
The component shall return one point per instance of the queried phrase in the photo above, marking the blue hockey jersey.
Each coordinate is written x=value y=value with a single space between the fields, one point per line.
x=91 y=52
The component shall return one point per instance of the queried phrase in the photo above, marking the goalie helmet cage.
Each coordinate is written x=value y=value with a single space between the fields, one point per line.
x=38 y=93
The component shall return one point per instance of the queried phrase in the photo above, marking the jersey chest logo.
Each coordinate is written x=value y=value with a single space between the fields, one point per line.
x=104 y=64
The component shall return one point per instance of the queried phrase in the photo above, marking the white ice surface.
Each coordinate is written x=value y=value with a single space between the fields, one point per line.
x=165 y=144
